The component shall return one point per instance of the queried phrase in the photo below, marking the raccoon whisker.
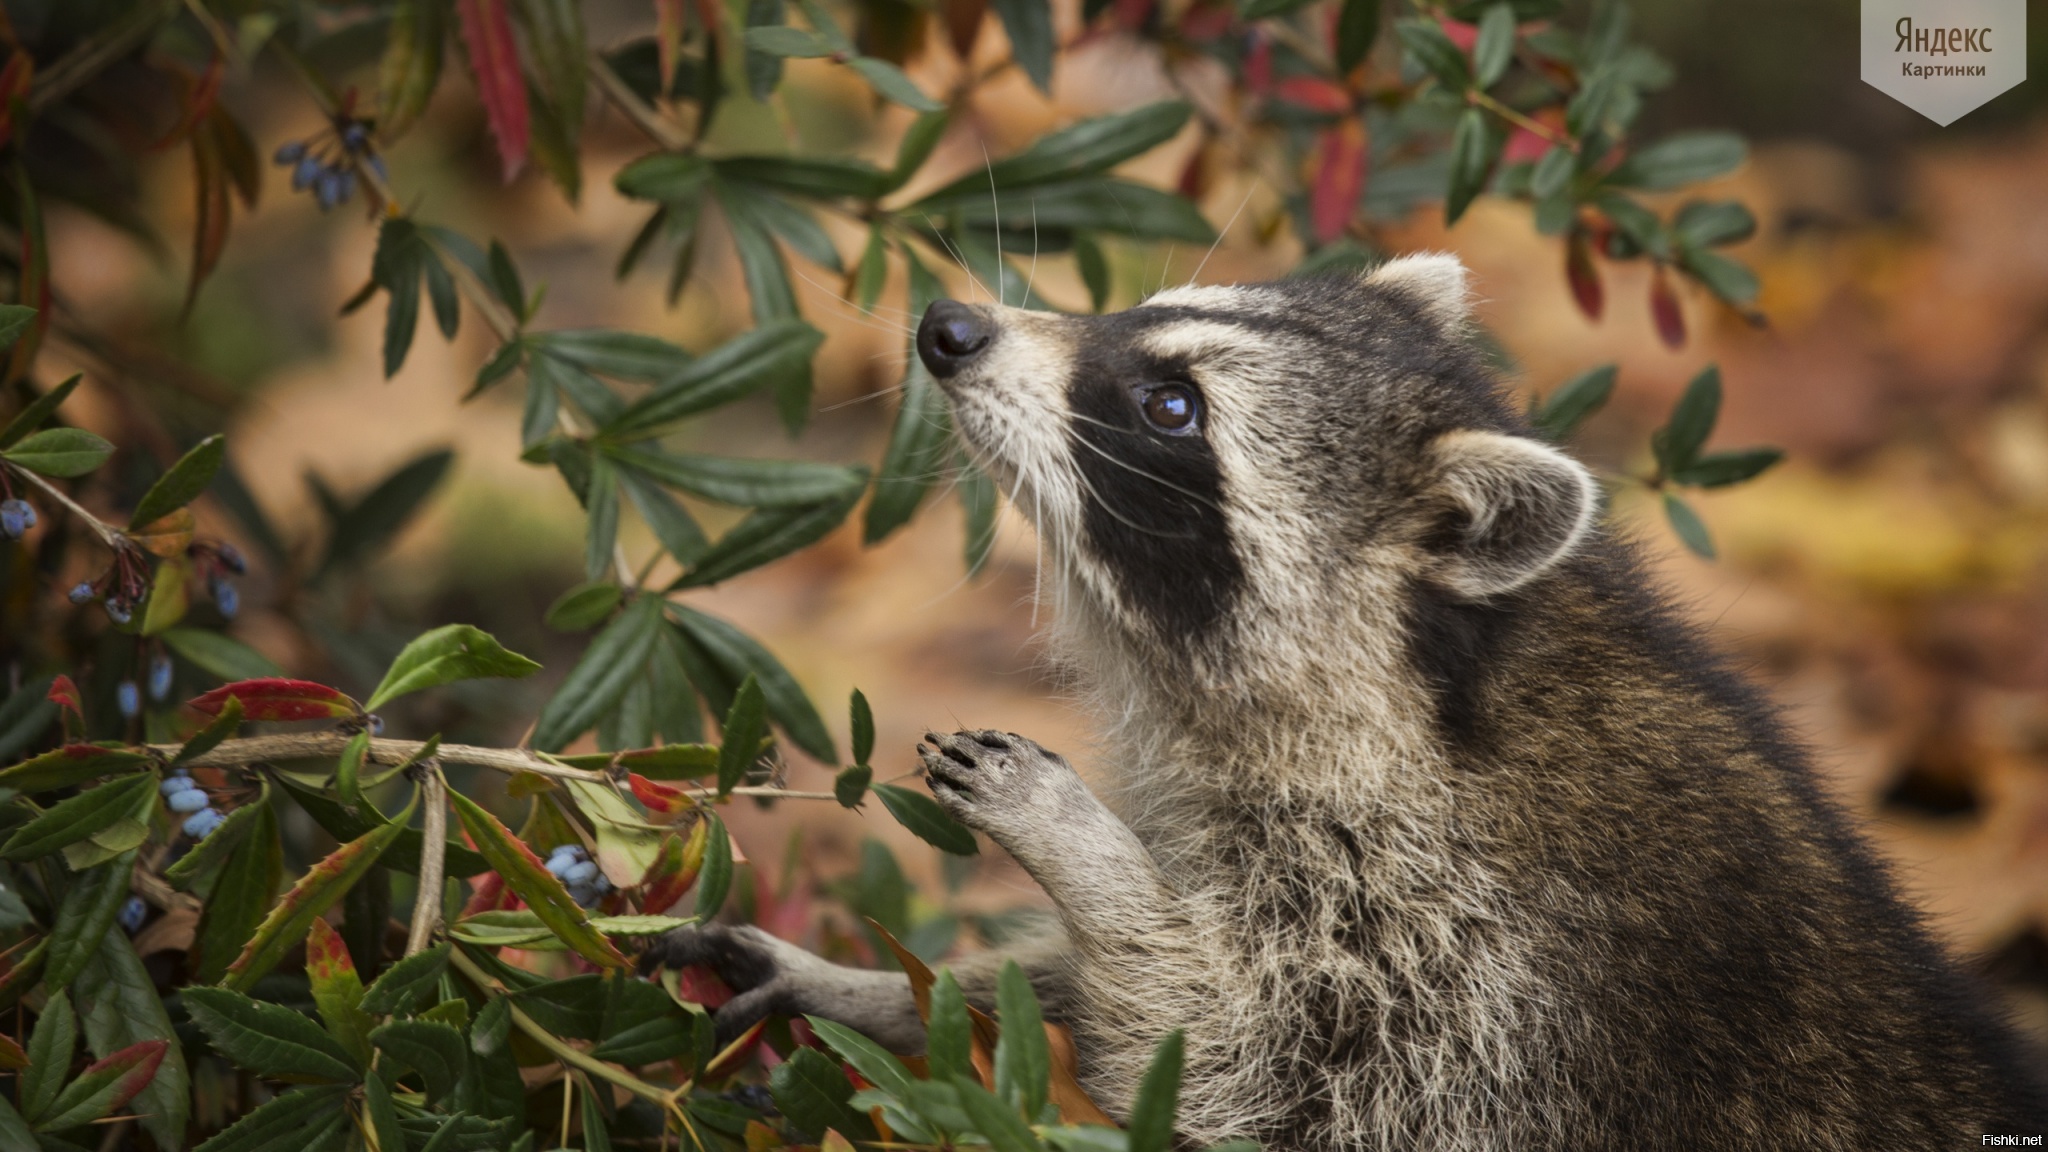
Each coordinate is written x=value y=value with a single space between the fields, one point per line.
x=1123 y=519
x=1033 y=277
x=1226 y=231
x=959 y=259
x=861 y=316
x=995 y=208
x=1160 y=480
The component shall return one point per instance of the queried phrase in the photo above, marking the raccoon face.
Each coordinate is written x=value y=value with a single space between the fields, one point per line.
x=1218 y=454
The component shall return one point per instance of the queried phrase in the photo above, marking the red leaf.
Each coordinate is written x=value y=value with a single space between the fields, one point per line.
x=12 y=1057
x=1664 y=310
x=1315 y=93
x=275 y=698
x=487 y=895
x=327 y=957
x=668 y=38
x=1525 y=147
x=698 y=984
x=494 y=62
x=1206 y=22
x=1130 y=15
x=64 y=694
x=1258 y=64
x=1193 y=182
x=1340 y=177
x=1465 y=36
x=659 y=798
x=140 y=1062
x=1584 y=277
x=674 y=870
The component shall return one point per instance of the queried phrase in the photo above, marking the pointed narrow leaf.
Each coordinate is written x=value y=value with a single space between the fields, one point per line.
x=285 y=1124
x=733 y=369
x=919 y=445
x=740 y=735
x=407 y=983
x=1084 y=149
x=1150 y=1126
x=270 y=1039
x=278 y=699
x=715 y=878
x=1564 y=410
x=220 y=654
x=812 y=1093
x=494 y=63
x=78 y=818
x=768 y=535
x=923 y=816
x=1023 y=1059
x=1005 y=1129
x=317 y=891
x=525 y=874
x=613 y=661
x=120 y=1005
x=1358 y=26
x=745 y=482
x=411 y=66
x=105 y=1085
x=1495 y=48
x=60 y=452
x=738 y=656
x=185 y=480
x=434 y=1050
x=863 y=728
x=30 y=418
x=337 y=990
x=445 y=655
x=1691 y=531
x=947 y=1030
x=1692 y=421
x=248 y=883
x=67 y=766
x=50 y=1048
x=1028 y=23
x=1721 y=469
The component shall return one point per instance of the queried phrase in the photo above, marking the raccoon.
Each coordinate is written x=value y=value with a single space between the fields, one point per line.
x=1425 y=819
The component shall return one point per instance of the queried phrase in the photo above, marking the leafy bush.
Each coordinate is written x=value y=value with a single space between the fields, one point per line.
x=138 y=804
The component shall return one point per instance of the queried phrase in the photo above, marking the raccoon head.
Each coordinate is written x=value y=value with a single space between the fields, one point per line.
x=1226 y=477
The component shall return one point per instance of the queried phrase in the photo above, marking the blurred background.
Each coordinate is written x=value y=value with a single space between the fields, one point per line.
x=1886 y=583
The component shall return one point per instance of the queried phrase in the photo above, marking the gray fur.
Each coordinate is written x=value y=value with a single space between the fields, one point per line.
x=1427 y=823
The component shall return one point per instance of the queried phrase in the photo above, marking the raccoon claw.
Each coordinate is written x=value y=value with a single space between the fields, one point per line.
x=989 y=780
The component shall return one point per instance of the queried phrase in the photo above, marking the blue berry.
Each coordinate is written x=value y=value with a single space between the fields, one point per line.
x=176 y=782
x=353 y=137
x=129 y=698
x=306 y=171
x=202 y=823
x=132 y=914
x=82 y=592
x=231 y=559
x=602 y=884
x=559 y=864
x=16 y=517
x=159 y=677
x=189 y=800
x=226 y=598
x=119 y=611
x=289 y=153
x=377 y=165
x=579 y=872
x=344 y=185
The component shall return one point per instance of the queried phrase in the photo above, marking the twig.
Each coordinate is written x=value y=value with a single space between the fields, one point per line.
x=112 y=537
x=426 y=908
x=628 y=102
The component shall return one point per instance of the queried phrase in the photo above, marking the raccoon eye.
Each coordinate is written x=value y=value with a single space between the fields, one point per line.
x=1171 y=408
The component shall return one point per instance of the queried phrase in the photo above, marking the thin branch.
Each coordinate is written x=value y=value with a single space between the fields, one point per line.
x=426 y=909
x=628 y=102
x=112 y=537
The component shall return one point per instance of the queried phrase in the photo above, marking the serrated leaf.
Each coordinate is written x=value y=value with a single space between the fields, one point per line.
x=445 y=655
x=923 y=816
x=78 y=818
x=284 y=1123
x=270 y=1039
x=314 y=893
x=434 y=1050
x=67 y=766
x=525 y=874
x=60 y=452
x=338 y=990
x=407 y=983
x=493 y=56
x=241 y=896
x=740 y=735
x=105 y=1085
x=50 y=1048
x=120 y=1006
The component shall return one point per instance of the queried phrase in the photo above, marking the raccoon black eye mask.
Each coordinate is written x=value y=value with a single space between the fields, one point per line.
x=1422 y=814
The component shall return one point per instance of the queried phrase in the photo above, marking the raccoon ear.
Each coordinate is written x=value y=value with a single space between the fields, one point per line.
x=1436 y=280
x=1520 y=507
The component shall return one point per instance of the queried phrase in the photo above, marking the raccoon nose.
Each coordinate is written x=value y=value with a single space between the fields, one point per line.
x=951 y=336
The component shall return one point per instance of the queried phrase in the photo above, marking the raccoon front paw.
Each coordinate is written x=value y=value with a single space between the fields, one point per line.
x=999 y=782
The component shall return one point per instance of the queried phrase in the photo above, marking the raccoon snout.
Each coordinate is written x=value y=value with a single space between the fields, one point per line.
x=951 y=336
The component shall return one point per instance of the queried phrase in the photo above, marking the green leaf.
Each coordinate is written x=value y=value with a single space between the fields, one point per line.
x=875 y=1064
x=1680 y=159
x=77 y=818
x=1428 y=46
x=609 y=666
x=891 y=84
x=406 y=984
x=50 y=1048
x=434 y=1050
x=1028 y=24
x=14 y=1132
x=862 y=727
x=1475 y=146
x=1095 y=203
x=1150 y=1126
x=619 y=355
x=105 y=1085
x=1678 y=443
x=1553 y=172
x=715 y=879
x=782 y=40
x=1561 y=413
x=338 y=991
x=220 y=654
x=404 y=853
x=84 y=918
x=915 y=148
x=1023 y=1058
x=872 y=272
x=348 y=771
x=1686 y=523
x=396 y=267
x=445 y=655
x=1084 y=149
x=728 y=372
x=314 y=893
x=248 y=882
x=1094 y=270
x=1721 y=469
x=67 y=766
x=977 y=494
x=819 y=177
x=919 y=446
x=812 y=1094
x=412 y=64
x=559 y=55
x=739 y=656
x=1358 y=26
x=532 y=882
x=999 y=1122
x=923 y=816
x=740 y=735
x=382 y=1114
x=40 y=409
x=745 y=482
x=378 y=516
x=1266 y=9
x=670 y=522
x=60 y=452
x=583 y=606
x=1709 y=224
x=850 y=786
x=1495 y=48
x=766 y=535
x=665 y=177
x=1728 y=279
x=283 y=1124
x=798 y=229
x=119 y=1002
x=14 y=320
x=947 y=1030
x=269 y=1039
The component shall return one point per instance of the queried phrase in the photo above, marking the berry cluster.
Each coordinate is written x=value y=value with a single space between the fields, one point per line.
x=17 y=516
x=579 y=873
x=219 y=564
x=119 y=588
x=184 y=796
x=327 y=163
x=129 y=697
